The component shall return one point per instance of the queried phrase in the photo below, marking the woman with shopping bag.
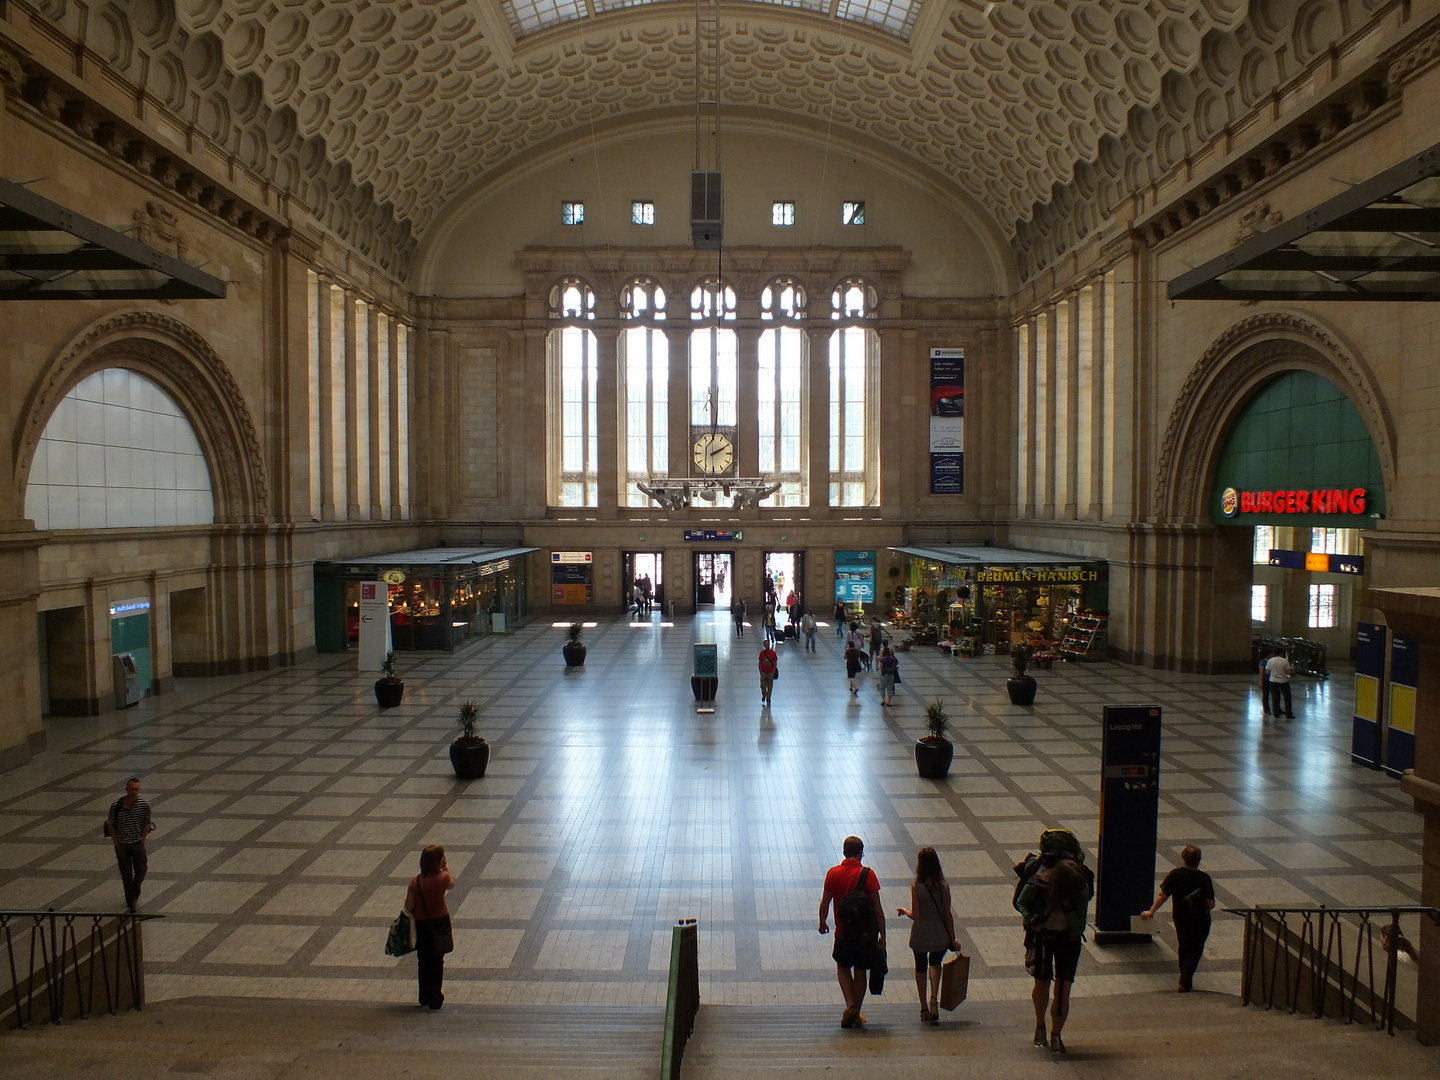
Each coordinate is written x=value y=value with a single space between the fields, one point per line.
x=425 y=900
x=933 y=931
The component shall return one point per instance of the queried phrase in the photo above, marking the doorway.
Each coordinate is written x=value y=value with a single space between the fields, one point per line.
x=640 y=566
x=784 y=579
x=714 y=578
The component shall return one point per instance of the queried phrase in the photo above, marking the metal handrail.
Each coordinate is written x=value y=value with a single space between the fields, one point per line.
x=1317 y=946
x=682 y=998
x=55 y=942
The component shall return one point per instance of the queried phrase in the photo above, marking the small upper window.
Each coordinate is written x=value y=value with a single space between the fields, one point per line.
x=782 y=213
x=852 y=213
x=572 y=213
x=642 y=212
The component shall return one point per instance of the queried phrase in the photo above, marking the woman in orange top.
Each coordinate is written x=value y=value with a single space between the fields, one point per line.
x=425 y=901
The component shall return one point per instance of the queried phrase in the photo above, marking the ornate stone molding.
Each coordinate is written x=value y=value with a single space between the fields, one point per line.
x=1236 y=363
x=174 y=355
x=1420 y=52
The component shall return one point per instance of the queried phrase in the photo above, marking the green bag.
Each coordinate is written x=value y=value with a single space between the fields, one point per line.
x=401 y=937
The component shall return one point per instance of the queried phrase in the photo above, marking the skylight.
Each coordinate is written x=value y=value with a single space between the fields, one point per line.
x=895 y=17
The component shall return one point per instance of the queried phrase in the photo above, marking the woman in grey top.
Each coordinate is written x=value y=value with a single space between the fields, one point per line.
x=933 y=932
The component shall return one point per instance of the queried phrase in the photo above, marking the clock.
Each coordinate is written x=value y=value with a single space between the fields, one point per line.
x=714 y=453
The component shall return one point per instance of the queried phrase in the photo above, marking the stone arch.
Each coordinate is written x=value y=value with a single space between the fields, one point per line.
x=1237 y=363
x=181 y=361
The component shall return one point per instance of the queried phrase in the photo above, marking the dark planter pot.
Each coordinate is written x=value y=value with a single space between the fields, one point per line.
x=574 y=652
x=469 y=758
x=1021 y=689
x=388 y=692
x=933 y=759
x=704 y=687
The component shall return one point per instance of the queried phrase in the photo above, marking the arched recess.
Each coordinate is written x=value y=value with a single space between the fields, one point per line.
x=181 y=361
x=1236 y=364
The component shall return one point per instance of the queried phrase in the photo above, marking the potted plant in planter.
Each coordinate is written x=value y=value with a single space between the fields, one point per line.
x=469 y=754
x=389 y=688
x=574 y=648
x=1019 y=686
x=934 y=752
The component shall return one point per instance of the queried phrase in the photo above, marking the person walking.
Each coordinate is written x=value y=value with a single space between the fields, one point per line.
x=932 y=932
x=1278 y=671
x=425 y=900
x=889 y=667
x=770 y=624
x=859 y=932
x=737 y=612
x=807 y=626
x=1192 y=897
x=1265 y=655
x=877 y=637
x=127 y=825
x=841 y=616
x=769 y=668
x=1055 y=904
x=852 y=668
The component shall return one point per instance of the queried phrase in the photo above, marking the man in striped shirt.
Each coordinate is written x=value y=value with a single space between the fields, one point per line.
x=127 y=826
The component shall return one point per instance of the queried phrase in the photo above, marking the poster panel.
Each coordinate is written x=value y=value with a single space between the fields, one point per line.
x=947 y=421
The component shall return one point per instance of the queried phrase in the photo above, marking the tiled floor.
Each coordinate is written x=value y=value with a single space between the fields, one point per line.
x=291 y=812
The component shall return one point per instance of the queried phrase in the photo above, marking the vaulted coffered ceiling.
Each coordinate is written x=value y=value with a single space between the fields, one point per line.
x=403 y=104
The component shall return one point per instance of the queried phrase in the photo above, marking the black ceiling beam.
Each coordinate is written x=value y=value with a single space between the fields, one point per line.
x=61 y=262
x=1294 y=259
x=1197 y=284
x=23 y=211
x=1220 y=290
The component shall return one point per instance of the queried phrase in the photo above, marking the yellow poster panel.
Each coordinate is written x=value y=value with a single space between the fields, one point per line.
x=1367 y=698
x=1402 y=708
x=570 y=594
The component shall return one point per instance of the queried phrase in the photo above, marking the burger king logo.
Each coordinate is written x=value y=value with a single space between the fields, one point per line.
x=1229 y=502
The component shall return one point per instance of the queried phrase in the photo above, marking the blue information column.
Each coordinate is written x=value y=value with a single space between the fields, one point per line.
x=1369 y=693
x=1129 y=819
x=1404 y=676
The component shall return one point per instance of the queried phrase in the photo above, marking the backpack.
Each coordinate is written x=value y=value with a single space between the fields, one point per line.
x=1056 y=845
x=856 y=912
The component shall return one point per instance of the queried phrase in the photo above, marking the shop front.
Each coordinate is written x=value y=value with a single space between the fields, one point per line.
x=440 y=598
x=987 y=601
x=1299 y=473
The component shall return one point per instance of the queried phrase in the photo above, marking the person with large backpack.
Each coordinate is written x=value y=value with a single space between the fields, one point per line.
x=859 y=926
x=1054 y=896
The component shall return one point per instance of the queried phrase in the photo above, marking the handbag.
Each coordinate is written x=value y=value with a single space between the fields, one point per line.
x=442 y=935
x=954 y=981
x=400 y=939
x=879 y=968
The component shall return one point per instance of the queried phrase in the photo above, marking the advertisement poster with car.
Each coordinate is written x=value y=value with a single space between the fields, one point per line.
x=947 y=421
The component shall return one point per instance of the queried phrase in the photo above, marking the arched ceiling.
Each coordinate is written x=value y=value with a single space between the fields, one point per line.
x=403 y=104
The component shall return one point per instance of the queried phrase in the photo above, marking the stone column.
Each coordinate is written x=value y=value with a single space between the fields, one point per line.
x=377 y=418
x=325 y=331
x=610 y=485
x=1416 y=613
x=819 y=363
x=747 y=398
x=354 y=400
x=678 y=337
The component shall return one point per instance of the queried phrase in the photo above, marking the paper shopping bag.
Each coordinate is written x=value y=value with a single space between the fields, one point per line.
x=954 y=981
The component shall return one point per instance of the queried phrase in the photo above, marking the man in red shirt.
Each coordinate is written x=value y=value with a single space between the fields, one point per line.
x=854 y=952
x=769 y=667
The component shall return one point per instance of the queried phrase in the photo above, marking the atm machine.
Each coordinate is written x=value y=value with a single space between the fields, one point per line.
x=126 y=677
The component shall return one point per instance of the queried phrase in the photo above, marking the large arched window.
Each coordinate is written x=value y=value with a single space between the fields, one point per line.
x=780 y=392
x=118 y=453
x=574 y=369
x=713 y=359
x=645 y=374
x=854 y=396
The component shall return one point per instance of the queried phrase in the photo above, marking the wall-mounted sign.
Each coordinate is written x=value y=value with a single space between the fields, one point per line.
x=393 y=577
x=947 y=421
x=128 y=607
x=489 y=568
x=584 y=558
x=1317 y=561
x=1035 y=575
x=714 y=535
x=855 y=576
x=1315 y=501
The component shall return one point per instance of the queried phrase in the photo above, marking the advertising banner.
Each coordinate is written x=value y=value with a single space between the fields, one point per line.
x=1404 y=678
x=374 y=624
x=1370 y=641
x=855 y=576
x=1129 y=817
x=947 y=421
x=571 y=583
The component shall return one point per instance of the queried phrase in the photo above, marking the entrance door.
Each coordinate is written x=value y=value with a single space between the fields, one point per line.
x=638 y=566
x=713 y=578
x=785 y=571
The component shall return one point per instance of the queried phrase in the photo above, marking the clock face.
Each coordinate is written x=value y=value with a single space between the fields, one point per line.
x=714 y=453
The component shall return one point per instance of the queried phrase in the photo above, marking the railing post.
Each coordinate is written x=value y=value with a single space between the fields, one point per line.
x=682 y=998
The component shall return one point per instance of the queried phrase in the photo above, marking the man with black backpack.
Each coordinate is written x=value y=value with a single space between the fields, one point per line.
x=859 y=926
